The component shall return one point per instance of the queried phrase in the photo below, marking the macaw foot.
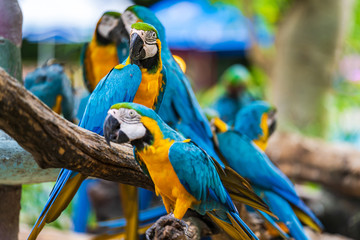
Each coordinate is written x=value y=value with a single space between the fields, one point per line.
x=168 y=227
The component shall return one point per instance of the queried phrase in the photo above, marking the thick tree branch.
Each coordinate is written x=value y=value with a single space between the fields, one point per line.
x=55 y=142
x=336 y=166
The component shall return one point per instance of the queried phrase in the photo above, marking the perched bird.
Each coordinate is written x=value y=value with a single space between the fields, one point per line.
x=51 y=85
x=108 y=47
x=130 y=82
x=253 y=125
x=180 y=109
x=233 y=92
x=184 y=175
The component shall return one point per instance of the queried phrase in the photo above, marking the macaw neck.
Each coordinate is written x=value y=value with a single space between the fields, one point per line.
x=262 y=141
x=100 y=40
x=220 y=125
x=155 y=137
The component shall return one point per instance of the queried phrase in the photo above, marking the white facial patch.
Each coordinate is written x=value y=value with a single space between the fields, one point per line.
x=129 y=19
x=107 y=24
x=150 y=45
x=129 y=122
x=133 y=131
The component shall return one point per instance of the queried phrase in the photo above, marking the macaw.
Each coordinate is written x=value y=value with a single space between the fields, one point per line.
x=180 y=108
x=108 y=47
x=142 y=80
x=51 y=85
x=184 y=175
x=243 y=148
x=234 y=93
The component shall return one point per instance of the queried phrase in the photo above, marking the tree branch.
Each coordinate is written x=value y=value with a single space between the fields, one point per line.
x=55 y=142
x=335 y=166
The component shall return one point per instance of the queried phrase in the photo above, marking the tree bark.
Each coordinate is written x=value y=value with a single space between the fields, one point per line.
x=9 y=211
x=307 y=42
x=335 y=166
x=55 y=142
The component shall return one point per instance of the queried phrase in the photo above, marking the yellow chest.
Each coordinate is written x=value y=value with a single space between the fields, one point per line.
x=263 y=140
x=103 y=59
x=162 y=172
x=149 y=89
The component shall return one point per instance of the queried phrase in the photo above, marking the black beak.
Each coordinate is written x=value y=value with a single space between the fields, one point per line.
x=137 y=50
x=272 y=121
x=112 y=132
x=119 y=33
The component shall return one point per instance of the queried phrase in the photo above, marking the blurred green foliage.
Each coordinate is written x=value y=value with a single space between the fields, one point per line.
x=33 y=199
x=271 y=11
x=353 y=38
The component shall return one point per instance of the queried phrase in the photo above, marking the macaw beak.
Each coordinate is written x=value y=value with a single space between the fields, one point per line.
x=112 y=132
x=119 y=33
x=137 y=50
x=272 y=121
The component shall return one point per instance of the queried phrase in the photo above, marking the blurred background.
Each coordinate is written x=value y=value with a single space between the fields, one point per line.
x=301 y=55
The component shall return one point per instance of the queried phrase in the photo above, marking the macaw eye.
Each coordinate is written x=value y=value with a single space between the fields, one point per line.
x=153 y=34
x=132 y=113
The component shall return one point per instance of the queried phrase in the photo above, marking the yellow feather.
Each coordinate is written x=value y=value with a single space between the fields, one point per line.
x=234 y=232
x=156 y=159
x=57 y=106
x=306 y=219
x=262 y=141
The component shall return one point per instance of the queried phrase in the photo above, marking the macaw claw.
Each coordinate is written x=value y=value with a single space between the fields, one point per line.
x=168 y=227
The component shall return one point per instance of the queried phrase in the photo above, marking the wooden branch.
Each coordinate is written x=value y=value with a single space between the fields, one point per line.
x=336 y=166
x=57 y=143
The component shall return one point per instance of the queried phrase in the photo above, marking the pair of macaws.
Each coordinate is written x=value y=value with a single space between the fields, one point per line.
x=150 y=66
x=243 y=146
x=51 y=85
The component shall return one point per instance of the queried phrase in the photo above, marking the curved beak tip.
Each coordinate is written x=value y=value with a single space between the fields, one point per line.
x=136 y=47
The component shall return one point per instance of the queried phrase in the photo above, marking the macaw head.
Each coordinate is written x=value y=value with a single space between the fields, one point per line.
x=135 y=13
x=110 y=29
x=235 y=79
x=257 y=121
x=131 y=122
x=145 y=45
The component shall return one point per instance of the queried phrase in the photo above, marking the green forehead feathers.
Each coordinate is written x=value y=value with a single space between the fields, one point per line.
x=113 y=14
x=144 y=26
x=120 y=105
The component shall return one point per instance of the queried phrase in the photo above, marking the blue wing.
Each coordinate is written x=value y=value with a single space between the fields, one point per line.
x=181 y=110
x=284 y=211
x=197 y=173
x=243 y=156
x=119 y=85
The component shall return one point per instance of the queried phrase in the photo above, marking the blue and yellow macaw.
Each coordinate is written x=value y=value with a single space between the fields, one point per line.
x=108 y=47
x=180 y=108
x=51 y=85
x=184 y=175
x=142 y=80
x=243 y=147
